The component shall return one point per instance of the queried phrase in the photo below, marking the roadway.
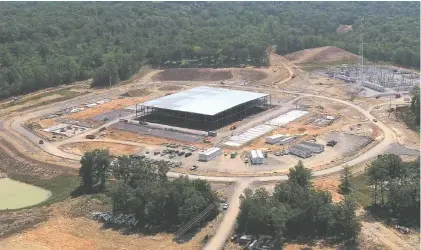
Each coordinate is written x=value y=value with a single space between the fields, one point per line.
x=14 y=127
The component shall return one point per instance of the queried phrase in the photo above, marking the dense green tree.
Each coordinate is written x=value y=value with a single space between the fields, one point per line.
x=300 y=174
x=158 y=203
x=400 y=185
x=415 y=104
x=64 y=42
x=346 y=177
x=94 y=170
x=296 y=211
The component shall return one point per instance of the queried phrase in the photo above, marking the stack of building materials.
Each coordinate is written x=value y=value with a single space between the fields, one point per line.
x=256 y=157
x=209 y=154
x=286 y=140
x=300 y=151
x=274 y=139
x=313 y=147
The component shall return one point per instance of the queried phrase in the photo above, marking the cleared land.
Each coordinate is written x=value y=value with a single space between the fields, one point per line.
x=326 y=54
x=80 y=148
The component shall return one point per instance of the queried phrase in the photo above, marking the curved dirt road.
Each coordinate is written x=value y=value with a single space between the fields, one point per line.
x=226 y=226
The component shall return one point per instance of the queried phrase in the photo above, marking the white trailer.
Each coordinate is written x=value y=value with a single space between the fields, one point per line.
x=209 y=154
x=256 y=157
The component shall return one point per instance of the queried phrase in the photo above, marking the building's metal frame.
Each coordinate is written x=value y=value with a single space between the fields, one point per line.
x=205 y=122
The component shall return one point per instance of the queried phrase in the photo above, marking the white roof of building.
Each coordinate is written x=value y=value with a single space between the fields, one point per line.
x=259 y=154
x=204 y=100
x=210 y=151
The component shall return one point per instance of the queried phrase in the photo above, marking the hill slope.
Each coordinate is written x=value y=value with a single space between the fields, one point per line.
x=327 y=54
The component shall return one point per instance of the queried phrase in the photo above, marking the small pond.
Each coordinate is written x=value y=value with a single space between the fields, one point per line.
x=15 y=194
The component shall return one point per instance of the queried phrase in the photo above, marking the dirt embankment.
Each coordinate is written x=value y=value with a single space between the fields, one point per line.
x=115 y=148
x=193 y=74
x=326 y=54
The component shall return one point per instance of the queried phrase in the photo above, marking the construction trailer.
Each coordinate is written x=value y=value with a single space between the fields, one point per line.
x=286 y=140
x=300 y=151
x=209 y=154
x=203 y=108
x=314 y=147
x=274 y=139
x=256 y=157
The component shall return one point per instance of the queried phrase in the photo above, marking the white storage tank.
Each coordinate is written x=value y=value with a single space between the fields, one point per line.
x=274 y=139
x=209 y=154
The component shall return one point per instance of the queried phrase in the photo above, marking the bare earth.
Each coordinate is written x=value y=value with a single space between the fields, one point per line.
x=326 y=54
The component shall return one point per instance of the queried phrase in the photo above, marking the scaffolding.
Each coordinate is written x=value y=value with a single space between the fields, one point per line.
x=202 y=121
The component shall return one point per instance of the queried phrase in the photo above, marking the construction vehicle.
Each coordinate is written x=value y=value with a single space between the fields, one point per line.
x=207 y=140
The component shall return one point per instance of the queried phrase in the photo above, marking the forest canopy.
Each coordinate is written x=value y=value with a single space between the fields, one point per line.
x=45 y=44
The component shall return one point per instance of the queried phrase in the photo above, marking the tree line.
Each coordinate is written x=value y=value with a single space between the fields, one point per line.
x=396 y=188
x=143 y=190
x=296 y=210
x=49 y=44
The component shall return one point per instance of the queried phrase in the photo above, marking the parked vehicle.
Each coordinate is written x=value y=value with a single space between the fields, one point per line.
x=194 y=167
x=225 y=206
x=41 y=142
x=188 y=154
x=181 y=153
x=331 y=143
x=374 y=120
x=156 y=153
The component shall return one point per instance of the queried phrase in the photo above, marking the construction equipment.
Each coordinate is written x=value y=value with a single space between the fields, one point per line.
x=207 y=140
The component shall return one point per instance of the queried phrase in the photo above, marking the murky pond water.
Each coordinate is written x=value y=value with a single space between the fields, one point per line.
x=15 y=194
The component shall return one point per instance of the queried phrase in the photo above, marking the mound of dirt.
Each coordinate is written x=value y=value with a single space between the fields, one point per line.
x=136 y=93
x=170 y=88
x=326 y=54
x=251 y=75
x=193 y=74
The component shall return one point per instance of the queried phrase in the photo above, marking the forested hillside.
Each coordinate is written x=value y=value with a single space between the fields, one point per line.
x=45 y=44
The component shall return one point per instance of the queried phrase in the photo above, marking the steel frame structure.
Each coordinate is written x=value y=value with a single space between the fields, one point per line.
x=201 y=121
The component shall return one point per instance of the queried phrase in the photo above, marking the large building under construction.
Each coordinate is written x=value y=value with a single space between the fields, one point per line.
x=203 y=108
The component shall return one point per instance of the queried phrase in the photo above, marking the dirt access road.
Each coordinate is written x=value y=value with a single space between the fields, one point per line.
x=225 y=229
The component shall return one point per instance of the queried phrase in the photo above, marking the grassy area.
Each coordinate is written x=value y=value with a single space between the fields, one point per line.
x=322 y=65
x=60 y=186
x=405 y=115
x=361 y=192
x=65 y=93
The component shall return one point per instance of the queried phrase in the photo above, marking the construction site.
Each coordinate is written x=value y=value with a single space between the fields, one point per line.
x=222 y=125
x=176 y=122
